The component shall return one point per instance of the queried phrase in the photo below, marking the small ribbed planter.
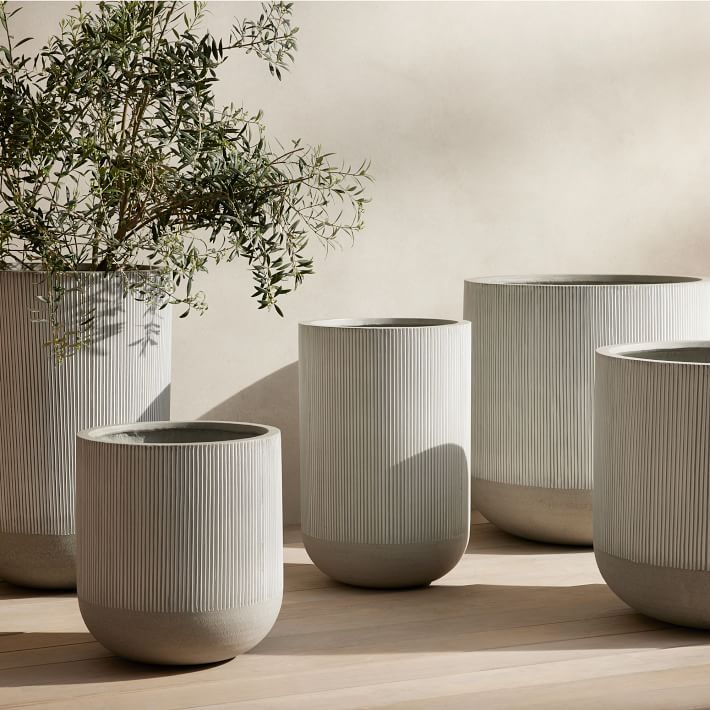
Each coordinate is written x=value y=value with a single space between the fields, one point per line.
x=533 y=380
x=385 y=416
x=122 y=376
x=652 y=478
x=179 y=538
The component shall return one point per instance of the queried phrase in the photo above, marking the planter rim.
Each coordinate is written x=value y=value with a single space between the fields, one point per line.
x=378 y=324
x=586 y=280
x=87 y=270
x=644 y=352
x=105 y=434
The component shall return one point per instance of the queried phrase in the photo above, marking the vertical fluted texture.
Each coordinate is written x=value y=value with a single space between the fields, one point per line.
x=385 y=439
x=186 y=528
x=533 y=367
x=652 y=462
x=123 y=376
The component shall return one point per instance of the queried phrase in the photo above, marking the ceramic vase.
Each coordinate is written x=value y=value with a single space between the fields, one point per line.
x=179 y=538
x=121 y=375
x=652 y=478
x=384 y=412
x=533 y=386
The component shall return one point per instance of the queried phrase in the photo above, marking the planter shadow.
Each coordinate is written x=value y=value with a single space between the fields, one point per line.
x=486 y=539
x=272 y=400
x=159 y=403
x=476 y=619
x=10 y=591
x=77 y=658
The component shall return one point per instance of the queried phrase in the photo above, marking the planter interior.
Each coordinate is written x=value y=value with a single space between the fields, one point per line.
x=186 y=433
x=367 y=323
x=681 y=353
x=585 y=280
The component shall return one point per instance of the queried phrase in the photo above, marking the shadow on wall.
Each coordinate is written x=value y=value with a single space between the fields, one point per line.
x=272 y=400
x=160 y=404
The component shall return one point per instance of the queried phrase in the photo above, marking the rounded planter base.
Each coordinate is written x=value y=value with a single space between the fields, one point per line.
x=180 y=638
x=678 y=596
x=388 y=566
x=555 y=515
x=39 y=561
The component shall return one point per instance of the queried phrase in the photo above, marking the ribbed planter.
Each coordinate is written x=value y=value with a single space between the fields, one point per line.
x=124 y=375
x=179 y=538
x=652 y=478
x=385 y=412
x=533 y=375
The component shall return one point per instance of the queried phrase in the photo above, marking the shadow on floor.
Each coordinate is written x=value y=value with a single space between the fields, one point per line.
x=10 y=591
x=323 y=617
x=472 y=618
x=487 y=539
x=272 y=400
x=29 y=659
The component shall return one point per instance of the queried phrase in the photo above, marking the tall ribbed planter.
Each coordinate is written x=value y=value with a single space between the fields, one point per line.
x=179 y=538
x=533 y=382
x=123 y=375
x=652 y=478
x=385 y=438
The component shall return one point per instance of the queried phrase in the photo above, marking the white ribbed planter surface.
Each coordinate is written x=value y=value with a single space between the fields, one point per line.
x=124 y=375
x=652 y=478
x=533 y=383
x=385 y=416
x=179 y=538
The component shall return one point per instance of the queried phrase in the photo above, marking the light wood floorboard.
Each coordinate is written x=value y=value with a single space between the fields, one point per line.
x=515 y=625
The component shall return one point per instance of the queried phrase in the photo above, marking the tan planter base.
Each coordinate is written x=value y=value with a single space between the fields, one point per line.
x=559 y=516
x=40 y=561
x=180 y=638
x=388 y=566
x=678 y=596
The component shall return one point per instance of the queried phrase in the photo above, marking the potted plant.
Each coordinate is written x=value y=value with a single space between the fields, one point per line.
x=120 y=181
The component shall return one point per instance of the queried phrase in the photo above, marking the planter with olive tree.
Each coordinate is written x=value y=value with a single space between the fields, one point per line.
x=120 y=181
x=120 y=375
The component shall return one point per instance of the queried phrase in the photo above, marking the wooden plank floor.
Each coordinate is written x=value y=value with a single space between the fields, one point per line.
x=515 y=625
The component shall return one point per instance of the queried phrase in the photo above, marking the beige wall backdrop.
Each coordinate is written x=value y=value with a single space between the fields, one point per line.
x=505 y=138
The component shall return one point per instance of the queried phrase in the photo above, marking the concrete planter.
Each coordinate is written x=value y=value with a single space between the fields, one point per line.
x=123 y=375
x=652 y=478
x=385 y=438
x=533 y=379
x=179 y=538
